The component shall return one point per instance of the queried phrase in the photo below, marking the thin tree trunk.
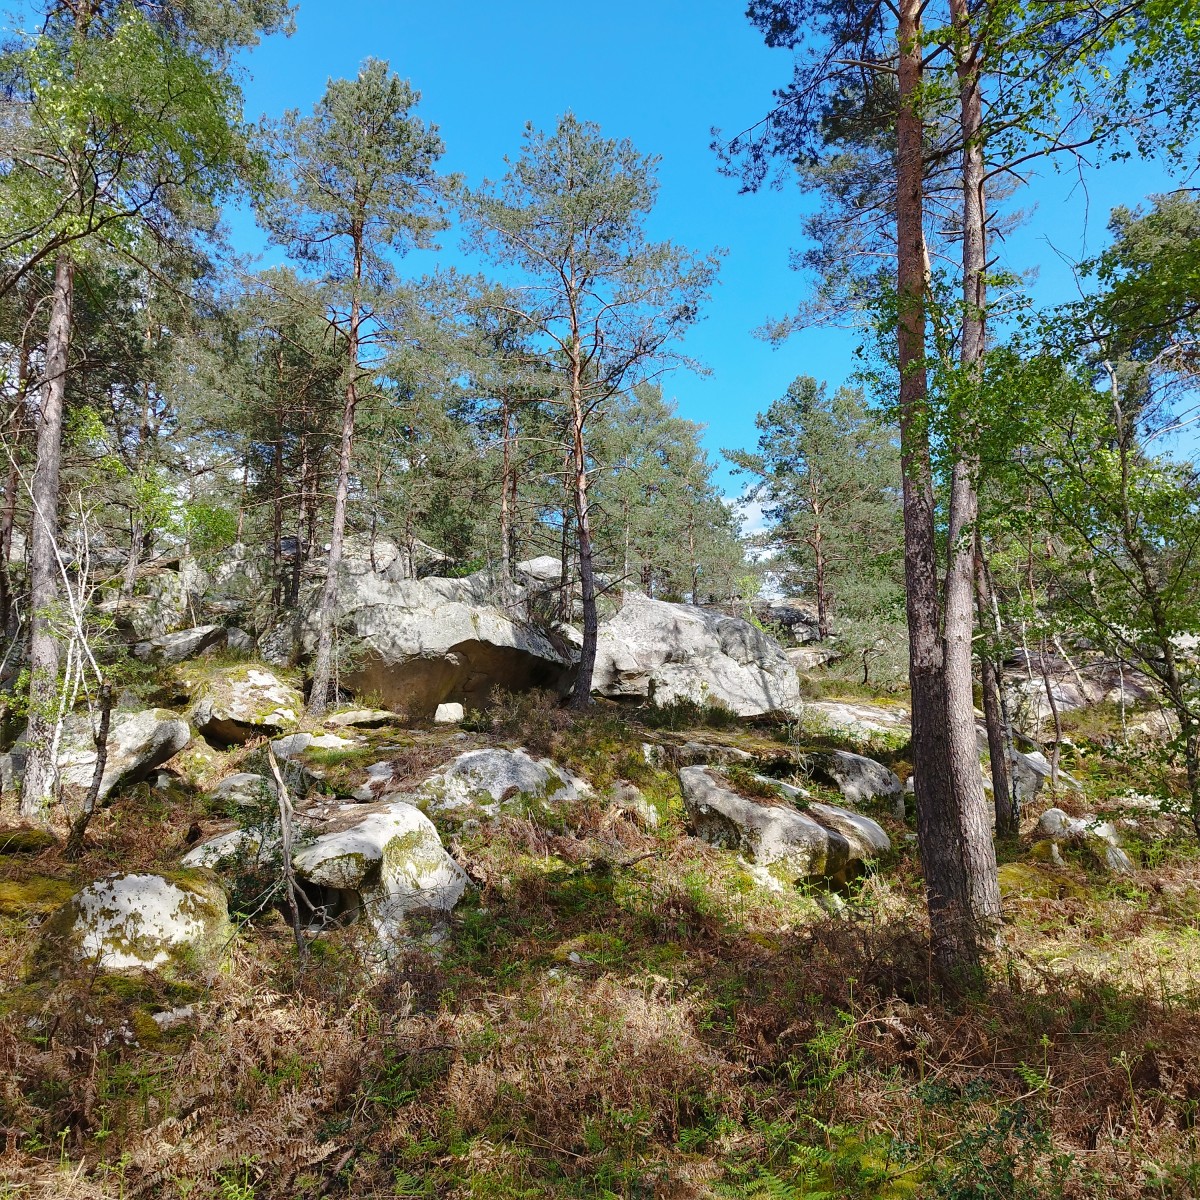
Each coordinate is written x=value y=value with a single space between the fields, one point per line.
x=583 y=532
x=505 y=516
x=12 y=479
x=822 y=583
x=298 y=558
x=999 y=735
x=318 y=697
x=41 y=774
x=954 y=942
x=73 y=850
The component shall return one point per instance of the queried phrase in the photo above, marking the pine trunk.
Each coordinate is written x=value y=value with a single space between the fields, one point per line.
x=583 y=532
x=39 y=785
x=322 y=675
x=979 y=852
x=955 y=948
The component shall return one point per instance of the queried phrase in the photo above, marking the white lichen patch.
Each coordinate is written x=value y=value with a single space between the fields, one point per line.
x=140 y=921
x=492 y=777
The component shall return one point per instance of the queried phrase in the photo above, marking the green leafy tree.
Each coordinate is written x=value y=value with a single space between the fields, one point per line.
x=128 y=115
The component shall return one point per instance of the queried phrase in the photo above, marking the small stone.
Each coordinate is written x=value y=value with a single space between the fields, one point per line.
x=448 y=714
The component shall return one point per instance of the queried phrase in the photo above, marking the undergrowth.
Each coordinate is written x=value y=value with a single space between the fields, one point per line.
x=617 y=1012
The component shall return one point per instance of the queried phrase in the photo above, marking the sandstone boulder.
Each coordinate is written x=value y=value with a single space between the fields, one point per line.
x=419 y=643
x=821 y=842
x=233 y=704
x=183 y=644
x=858 y=778
x=137 y=743
x=491 y=779
x=1089 y=833
x=139 y=922
x=653 y=650
x=244 y=789
x=382 y=861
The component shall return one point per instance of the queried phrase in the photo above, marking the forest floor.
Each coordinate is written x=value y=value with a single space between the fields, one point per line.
x=624 y=1012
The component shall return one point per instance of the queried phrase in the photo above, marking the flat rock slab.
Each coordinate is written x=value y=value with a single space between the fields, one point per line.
x=861 y=717
x=493 y=778
x=234 y=704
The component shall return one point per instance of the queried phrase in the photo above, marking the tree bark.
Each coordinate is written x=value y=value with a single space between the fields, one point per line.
x=41 y=773
x=955 y=946
x=318 y=697
x=999 y=733
x=583 y=537
x=979 y=852
x=505 y=516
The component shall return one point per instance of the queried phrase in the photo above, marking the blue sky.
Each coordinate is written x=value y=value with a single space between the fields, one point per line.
x=661 y=72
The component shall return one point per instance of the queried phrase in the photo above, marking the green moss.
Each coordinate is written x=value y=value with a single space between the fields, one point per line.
x=34 y=896
x=25 y=841
x=1037 y=883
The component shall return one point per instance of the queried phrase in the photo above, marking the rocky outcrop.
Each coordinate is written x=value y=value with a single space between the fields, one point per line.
x=821 y=842
x=233 y=704
x=139 y=922
x=419 y=643
x=137 y=743
x=857 y=718
x=244 y=789
x=858 y=778
x=486 y=781
x=653 y=650
x=383 y=862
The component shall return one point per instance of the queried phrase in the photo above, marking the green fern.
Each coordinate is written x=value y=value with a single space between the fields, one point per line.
x=806 y=1186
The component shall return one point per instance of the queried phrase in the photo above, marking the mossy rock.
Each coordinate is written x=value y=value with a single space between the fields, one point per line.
x=24 y=840
x=33 y=897
x=1029 y=882
x=176 y=923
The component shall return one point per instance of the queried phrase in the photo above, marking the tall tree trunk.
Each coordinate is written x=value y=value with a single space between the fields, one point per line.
x=40 y=782
x=954 y=943
x=820 y=569
x=302 y=501
x=958 y=618
x=12 y=475
x=583 y=538
x=318 y=697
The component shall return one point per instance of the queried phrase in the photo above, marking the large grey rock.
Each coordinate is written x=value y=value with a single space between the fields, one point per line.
x=186 y=643
x=491 y=779
x=823 y=841
x=858 y=778
x=655 y=650
x=137 y=744
x=383 y=861
x=139 y=922
x=226 y=848
x=418 y=643
x=233 y=704
x=1088 y=833
x=168 y=597
x=545 y=570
